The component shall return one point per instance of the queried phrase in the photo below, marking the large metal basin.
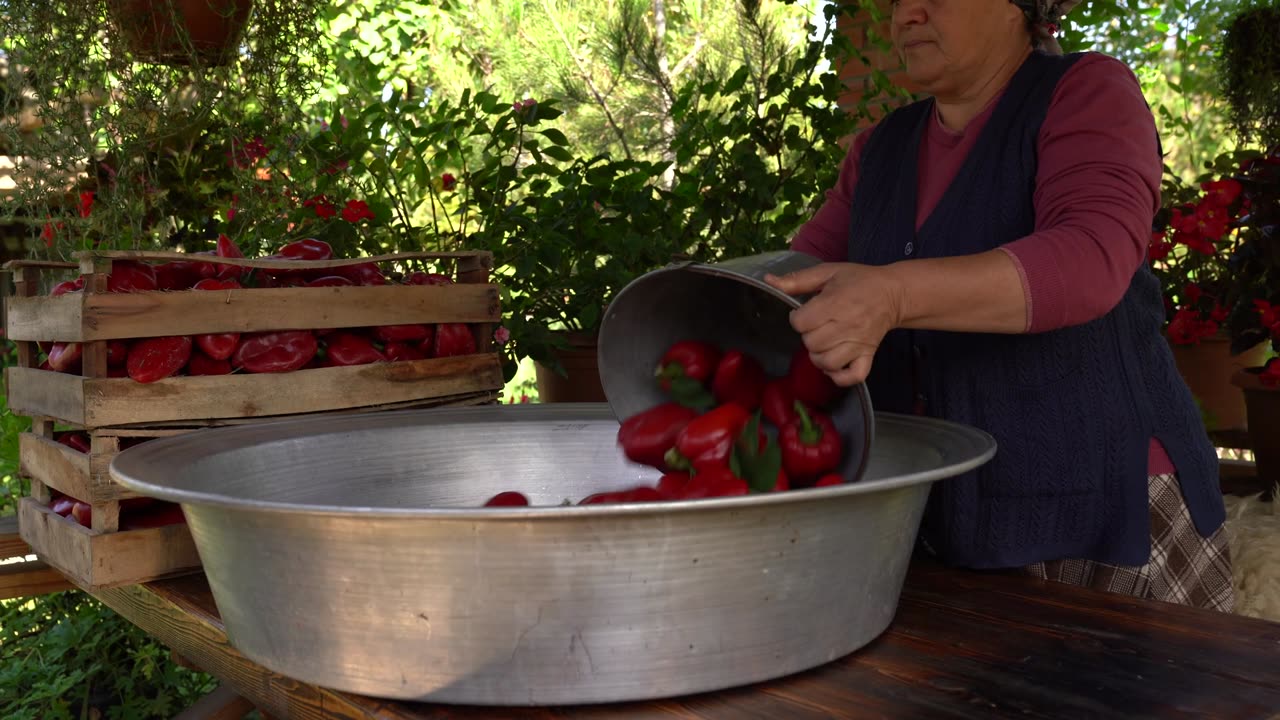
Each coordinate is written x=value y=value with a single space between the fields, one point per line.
x=347 y=551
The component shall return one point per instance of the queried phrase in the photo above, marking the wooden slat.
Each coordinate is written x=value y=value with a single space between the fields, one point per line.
x=68 y=471
x=177 y=427
x=221 y=704
x=42 y=392
x=100 y=560
x=29 y=579
x=482 y=256
x=105 y=402
x=11 y=543
x=82 y=317
x=43 y=317
x=121 y=401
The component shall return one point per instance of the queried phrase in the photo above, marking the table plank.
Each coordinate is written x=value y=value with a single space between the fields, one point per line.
x=963 y=645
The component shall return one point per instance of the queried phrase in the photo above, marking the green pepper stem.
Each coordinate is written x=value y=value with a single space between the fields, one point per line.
x=810 y=433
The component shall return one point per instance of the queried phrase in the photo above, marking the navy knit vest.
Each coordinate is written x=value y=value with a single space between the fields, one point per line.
x=1072 y=410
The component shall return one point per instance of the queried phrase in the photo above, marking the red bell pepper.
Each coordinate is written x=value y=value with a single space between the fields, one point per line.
x=152 y=359
x=642 y=493
x=361 y=274
x=347 y=348
x=809 y=383
x=330 y=281
x=509 y=498
x=783 y=484
x=672 y=485
x=202 y=364
x=403 y=333
x=708 y=439
x=778 y=402
x=690 y=359
x=829 y=480
x=277 y=351
x=400 y=352
x=206 y=269
x=811 y=445
x=739 y=379
x=67 y=286
x=176 y=275
x=715 y=481
x=218 y=346
x=227 y=248
x=82 y=513
x=422 y=278
x=307 y=249
x=75 y=440
x=648 y=436
x=65 y=357
x=130 y=276
x=62 y=505
x=117 y=353
x=453 y=339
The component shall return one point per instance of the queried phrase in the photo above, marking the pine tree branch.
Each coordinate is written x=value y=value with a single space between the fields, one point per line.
x=586 y=77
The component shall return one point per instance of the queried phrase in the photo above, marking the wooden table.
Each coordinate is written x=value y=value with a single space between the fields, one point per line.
x=963 y=645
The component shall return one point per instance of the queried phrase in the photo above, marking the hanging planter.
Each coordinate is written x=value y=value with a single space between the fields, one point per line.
x=181 y=32
x=1263 y=402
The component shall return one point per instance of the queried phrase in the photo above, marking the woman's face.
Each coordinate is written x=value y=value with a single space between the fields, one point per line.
x=946 y=42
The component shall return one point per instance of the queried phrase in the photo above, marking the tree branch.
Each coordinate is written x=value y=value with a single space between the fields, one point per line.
x=586 y=77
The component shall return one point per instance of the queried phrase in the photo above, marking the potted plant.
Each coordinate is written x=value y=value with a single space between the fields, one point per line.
x=1193 y=239
x=181 y=32
x=1249 y=72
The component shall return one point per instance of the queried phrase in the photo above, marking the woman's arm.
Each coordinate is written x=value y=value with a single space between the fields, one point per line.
x=1097 y=191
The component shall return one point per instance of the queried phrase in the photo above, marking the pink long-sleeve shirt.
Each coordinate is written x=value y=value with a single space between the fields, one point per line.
x=1097 y=188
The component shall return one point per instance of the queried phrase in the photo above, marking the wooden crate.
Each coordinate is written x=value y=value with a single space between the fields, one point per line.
x=113 y=411
x=95 y=559
x=94 y=400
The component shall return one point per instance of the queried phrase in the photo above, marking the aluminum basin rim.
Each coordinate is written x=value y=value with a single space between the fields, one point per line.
x=568 y=512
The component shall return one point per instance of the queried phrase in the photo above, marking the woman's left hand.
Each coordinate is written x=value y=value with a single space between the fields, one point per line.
x=853 y=307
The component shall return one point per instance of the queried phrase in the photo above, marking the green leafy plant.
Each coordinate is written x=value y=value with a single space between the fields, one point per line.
x=125 y=152
x=1249 y=73
x=66 y=656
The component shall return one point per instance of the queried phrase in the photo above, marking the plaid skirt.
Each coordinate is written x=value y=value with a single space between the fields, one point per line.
x=1184 y=567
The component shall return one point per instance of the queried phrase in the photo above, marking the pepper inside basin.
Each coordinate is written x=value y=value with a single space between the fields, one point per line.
x=351 y=552
x=727 y=304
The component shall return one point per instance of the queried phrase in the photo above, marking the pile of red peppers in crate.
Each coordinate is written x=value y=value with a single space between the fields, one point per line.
x=135 y=513
x=147 y=360
x=728 y=428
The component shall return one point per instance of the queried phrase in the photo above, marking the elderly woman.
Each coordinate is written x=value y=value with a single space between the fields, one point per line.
x=984 y=262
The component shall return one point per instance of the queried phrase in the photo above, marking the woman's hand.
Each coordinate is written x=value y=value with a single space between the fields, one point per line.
x=853 y=308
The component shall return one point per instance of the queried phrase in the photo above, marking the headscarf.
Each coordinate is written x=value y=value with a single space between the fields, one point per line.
x=1044 y=17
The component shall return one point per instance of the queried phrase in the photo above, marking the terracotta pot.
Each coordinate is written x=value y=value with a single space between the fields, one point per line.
x=582 y=380
x=1263 y=404
x=159 y=30
x=1207 y=369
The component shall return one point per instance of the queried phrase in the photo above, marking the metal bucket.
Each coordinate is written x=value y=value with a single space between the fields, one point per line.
x=349 y=552
x=727 y=304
